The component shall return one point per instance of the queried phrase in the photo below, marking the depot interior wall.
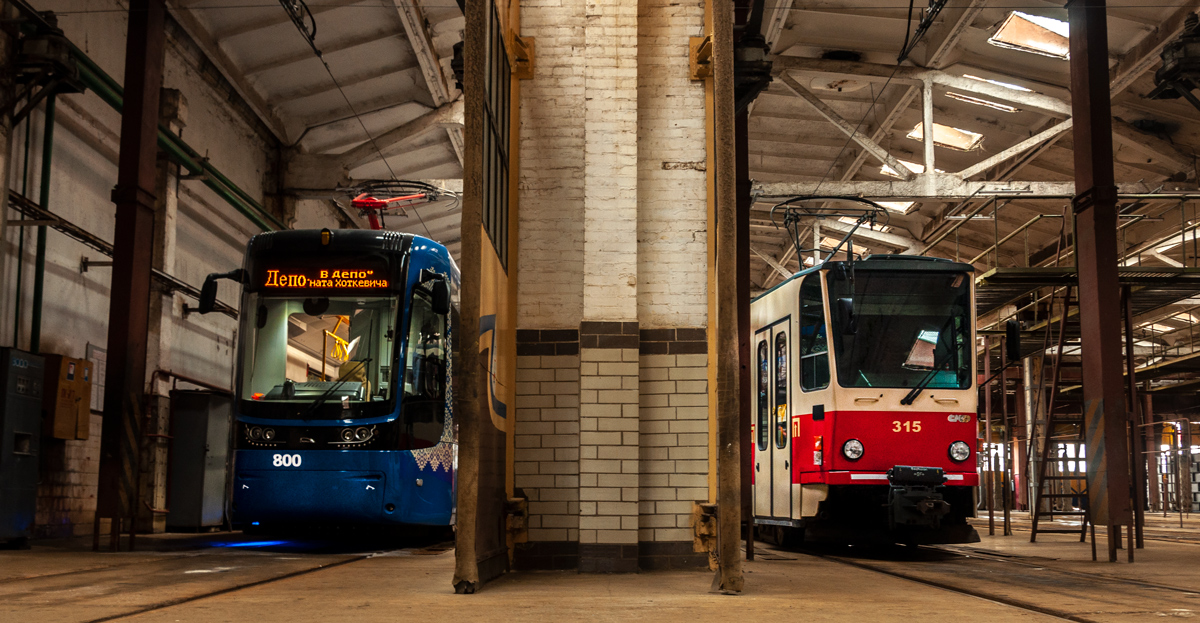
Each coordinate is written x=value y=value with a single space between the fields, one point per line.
x=612 y=312
x=211 y=235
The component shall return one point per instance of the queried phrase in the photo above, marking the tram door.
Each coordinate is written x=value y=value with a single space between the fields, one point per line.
x=772 y=459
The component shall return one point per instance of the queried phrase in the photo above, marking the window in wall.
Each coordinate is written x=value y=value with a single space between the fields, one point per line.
x=781 y=387
x=814 y=348
x=764 y=395
x=497 y=106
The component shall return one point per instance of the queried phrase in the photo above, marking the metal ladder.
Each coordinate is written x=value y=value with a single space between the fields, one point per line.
x=1059 y=414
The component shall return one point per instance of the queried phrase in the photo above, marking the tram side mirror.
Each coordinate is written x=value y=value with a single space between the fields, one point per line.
x=208 y=295
x=208 y=292
x=1012 y=341
x=846 y=319
x=441 y=297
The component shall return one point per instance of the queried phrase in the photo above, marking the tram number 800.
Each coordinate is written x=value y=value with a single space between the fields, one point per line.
x=286 y=460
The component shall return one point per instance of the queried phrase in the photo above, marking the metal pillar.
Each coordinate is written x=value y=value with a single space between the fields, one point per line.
x=39 y=271
x=1136 y=444
x=987 y=434
x=744 y=203
x=129 y=305
x=1149 y=446
x=1095 y=208
x=6 y=127
x=729 y=498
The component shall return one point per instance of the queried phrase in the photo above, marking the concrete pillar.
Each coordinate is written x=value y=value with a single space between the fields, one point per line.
x=154 y=456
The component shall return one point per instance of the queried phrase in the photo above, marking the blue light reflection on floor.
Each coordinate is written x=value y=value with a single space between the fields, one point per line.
x=250 y=544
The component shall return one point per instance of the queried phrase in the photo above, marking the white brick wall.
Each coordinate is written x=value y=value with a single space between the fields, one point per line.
x=610 y=198
x=673 y=422
x=608 y=445
x=672 y=222
x=547 y=445
x=550 y=287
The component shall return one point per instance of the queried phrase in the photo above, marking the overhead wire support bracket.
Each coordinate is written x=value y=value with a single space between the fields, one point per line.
x=927 y=18
x=794 y=214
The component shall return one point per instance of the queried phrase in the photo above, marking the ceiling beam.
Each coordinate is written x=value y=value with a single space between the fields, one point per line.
x=276 y=17
x=326 y=50
x=444 y=115
x=944 y=186
x=416 y=27
x=215 y=53
x=1141 y=57
x=783 y=272
x=1015 y=150
x=945 y=34
x=845 y=126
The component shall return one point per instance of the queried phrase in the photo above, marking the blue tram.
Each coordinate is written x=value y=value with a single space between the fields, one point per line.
x=343 y=381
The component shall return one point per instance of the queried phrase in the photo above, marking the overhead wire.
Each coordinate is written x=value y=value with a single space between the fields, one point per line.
x=292 y=7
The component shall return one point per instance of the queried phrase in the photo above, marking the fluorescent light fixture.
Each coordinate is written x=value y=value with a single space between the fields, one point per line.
x=1007 y=85
x=946 y=136
x=1034 y=34
x=982 y=102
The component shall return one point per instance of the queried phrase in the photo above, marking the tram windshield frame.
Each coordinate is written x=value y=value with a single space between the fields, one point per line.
x=898 y=327
x=282 y=373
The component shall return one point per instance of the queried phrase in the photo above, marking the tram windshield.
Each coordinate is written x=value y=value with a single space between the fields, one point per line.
x=897 y=328
x=319 y=351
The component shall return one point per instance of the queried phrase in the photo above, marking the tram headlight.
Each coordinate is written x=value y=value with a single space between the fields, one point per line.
x=347 y=434
x=960 y=451
x=362 y=433
x=255 y=433
x=268 y=434
x=853 y=449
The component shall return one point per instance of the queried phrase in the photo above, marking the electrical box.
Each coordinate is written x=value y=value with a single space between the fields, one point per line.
x=201 y=423
x=21 y=394
x=68 y=397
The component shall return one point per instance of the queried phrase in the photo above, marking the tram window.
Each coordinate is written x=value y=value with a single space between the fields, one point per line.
x=781 y=387
x=318 y=351
x=424 y=406
x=764 y=395
x=814 y=348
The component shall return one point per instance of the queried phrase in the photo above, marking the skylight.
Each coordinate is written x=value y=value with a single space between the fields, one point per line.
x=946 y=136
x=1159 y=328
x=982 y=102
x=1007 y=85
x=1034 y=34
x=896 y=206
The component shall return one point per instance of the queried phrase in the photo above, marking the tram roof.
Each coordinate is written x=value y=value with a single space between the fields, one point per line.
x=909 y=263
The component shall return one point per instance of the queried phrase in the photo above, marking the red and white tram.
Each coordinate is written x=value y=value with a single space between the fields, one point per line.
x=864 y=402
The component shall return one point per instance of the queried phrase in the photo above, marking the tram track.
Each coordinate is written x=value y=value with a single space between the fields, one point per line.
x=1012 y=603
x=428 y=549
x=983 y=576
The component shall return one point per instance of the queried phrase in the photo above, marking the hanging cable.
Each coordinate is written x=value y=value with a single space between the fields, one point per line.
x=296 y=10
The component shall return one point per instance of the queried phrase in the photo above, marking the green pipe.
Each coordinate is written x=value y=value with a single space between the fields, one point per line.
x=39 y=273
x=21 y=239
x=112 y=94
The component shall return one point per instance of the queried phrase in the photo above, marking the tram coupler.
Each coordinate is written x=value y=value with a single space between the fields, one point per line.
x=914 y=498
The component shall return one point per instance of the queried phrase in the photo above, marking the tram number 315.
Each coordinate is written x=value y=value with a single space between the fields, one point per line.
x=286 y=460
x=912 y=426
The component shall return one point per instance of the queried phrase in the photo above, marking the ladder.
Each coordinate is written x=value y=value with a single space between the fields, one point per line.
x=1063 y=424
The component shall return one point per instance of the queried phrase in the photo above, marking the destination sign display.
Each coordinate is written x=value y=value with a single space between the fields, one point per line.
x=325 y=279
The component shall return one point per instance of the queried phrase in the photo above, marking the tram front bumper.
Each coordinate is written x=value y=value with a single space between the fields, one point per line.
x=914 y=498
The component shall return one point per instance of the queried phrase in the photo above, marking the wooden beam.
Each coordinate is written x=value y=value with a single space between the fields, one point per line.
x=1016 y=150
x=944 y=36
x=446 y=114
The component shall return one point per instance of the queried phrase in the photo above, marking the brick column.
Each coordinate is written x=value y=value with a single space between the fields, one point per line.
x=608 y=447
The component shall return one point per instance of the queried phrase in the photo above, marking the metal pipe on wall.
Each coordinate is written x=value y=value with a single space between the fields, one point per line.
x=39 y=271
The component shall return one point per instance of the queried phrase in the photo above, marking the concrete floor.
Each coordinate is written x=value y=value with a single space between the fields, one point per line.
x=240 y=578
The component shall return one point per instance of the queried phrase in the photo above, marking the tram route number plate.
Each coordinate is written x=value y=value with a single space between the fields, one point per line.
x=286 y=460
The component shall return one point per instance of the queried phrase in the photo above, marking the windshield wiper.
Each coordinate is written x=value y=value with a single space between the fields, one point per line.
x=916 y=391
x=320 y=400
